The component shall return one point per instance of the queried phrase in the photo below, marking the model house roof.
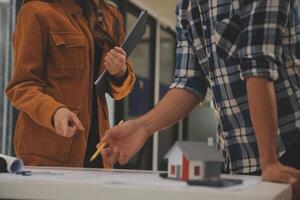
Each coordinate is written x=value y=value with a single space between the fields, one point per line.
x=197 y=151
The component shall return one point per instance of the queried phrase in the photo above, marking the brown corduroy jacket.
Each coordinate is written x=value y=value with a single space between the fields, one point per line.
x=53 y=68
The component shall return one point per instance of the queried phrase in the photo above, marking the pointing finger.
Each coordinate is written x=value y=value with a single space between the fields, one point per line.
x=77 y=122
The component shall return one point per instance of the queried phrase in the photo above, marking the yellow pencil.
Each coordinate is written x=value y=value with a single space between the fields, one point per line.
x=101 y=147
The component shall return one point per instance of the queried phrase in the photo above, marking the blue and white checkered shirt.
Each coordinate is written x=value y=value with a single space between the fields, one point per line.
x=222 y=42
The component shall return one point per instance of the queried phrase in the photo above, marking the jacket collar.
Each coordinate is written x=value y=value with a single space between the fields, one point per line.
x=69 y=5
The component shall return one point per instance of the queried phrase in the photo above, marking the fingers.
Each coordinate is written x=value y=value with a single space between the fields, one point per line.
x=276 y=175
x=292 y=180
x=112 y=152
x=120 y=50
x=76 y=121
x=284 y=174
x=110 y=67
x=294 y=172
x=71 y=131
x=114 y=157
x=64 y=127
x=279 y=178
x=115 y=61
x=296 y=186
x=65 y=130
x=67 y=123
x=295 y=182
x=296 y=189
x=121 y=147
x=123 y=158
x=105 y=153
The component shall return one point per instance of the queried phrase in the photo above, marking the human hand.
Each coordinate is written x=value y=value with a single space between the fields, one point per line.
x=279 y=173
x=124 y=141
x=115 y=62
x=66 y=123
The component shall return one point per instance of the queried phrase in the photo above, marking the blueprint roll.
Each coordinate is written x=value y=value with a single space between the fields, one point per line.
x=10 y=164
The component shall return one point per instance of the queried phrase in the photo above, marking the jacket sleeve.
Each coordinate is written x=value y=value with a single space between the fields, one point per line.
x=116 y=90
x=26 y=90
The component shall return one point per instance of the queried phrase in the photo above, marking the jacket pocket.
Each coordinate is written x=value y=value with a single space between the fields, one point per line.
x=68 y=50
x=34 y=140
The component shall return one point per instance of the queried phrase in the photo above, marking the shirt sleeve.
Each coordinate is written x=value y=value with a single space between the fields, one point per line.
x=262 y=26
x=189 y=74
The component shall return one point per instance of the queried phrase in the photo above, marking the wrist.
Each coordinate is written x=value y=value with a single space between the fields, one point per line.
x=146 y=123
x=268 y=160
x=120 y=77
x=267 y=146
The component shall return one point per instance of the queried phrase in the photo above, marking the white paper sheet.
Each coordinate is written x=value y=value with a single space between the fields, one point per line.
x=120 y=178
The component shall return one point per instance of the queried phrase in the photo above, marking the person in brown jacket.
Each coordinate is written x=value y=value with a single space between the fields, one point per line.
x=60 y=48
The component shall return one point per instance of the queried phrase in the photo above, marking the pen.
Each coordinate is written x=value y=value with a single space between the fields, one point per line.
x=29 y=173
x=101 y=147
x=100 y=77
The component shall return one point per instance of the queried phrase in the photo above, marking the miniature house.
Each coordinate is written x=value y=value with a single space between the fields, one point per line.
x=194 y=161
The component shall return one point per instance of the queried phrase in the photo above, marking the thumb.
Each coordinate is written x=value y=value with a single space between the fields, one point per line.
x=64 y=127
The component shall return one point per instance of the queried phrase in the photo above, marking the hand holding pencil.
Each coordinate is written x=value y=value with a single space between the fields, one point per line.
x=124 y=141
x=102 y=145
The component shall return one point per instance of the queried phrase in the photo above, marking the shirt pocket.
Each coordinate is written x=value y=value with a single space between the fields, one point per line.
x=69 y=50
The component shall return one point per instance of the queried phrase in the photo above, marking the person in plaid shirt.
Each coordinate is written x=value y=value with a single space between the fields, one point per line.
x=248 y=53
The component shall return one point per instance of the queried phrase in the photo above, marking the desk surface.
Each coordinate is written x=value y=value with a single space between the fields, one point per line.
x=55 y=183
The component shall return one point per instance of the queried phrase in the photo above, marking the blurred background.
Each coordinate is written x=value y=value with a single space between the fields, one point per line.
x=154 y=62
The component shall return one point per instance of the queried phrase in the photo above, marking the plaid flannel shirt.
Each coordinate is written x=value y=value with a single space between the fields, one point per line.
x=222 y=42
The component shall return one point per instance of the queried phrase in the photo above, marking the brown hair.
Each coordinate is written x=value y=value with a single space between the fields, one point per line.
x=102 y=37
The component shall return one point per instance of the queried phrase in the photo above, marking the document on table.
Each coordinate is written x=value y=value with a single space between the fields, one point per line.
x=117 y=178
x=129 y=178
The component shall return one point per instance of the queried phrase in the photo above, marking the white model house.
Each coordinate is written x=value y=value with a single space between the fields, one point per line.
x=194 y=161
